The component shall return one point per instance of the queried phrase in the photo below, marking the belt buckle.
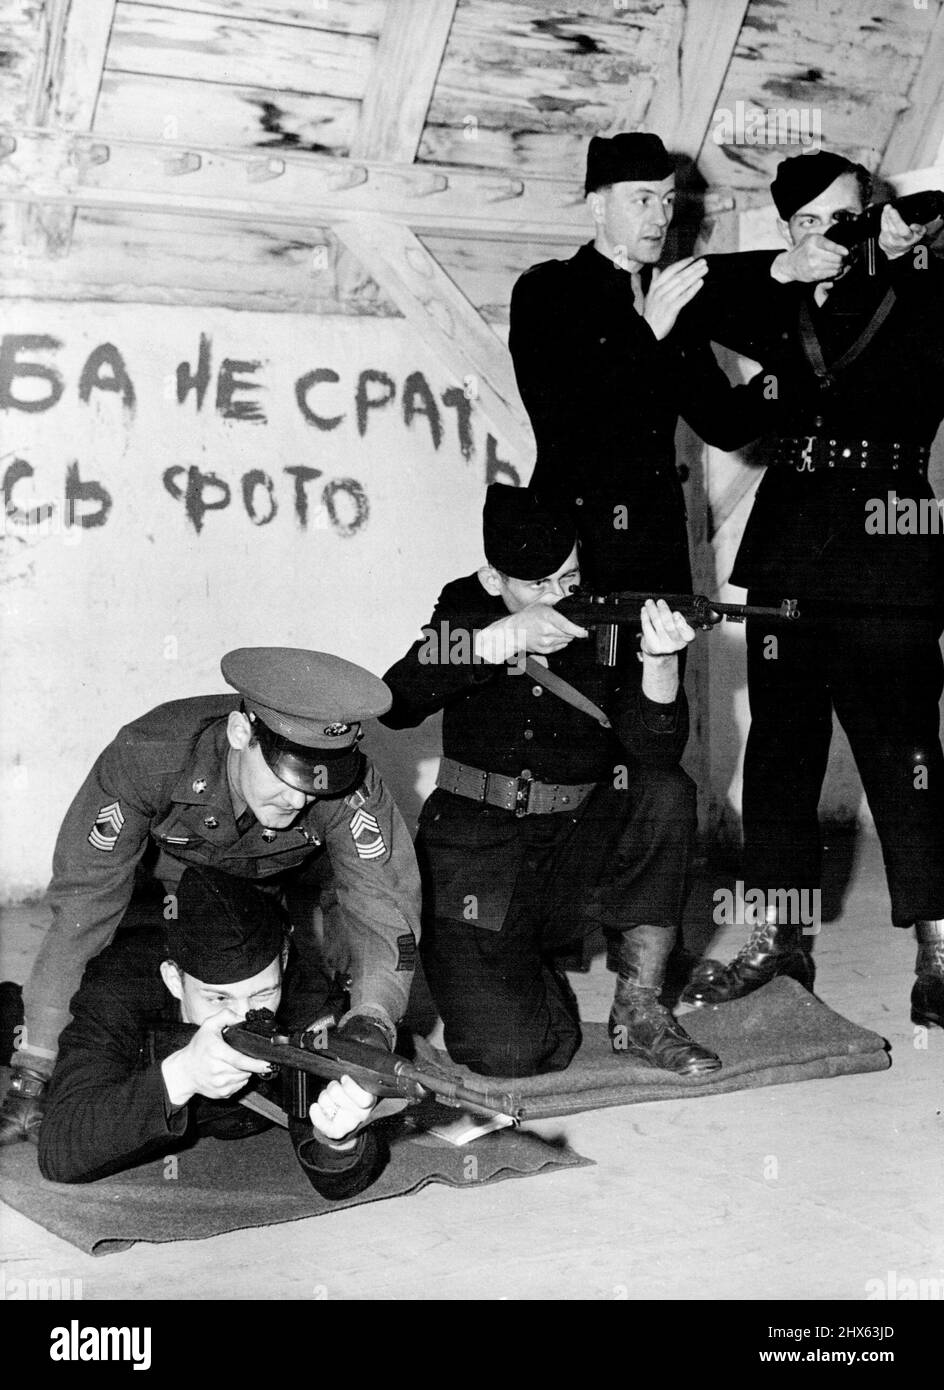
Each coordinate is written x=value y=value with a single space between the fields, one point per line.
x=523 y=785
x=806 y=464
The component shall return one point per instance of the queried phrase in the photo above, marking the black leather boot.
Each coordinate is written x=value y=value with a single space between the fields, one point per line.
x=927 y=996
x=772 y=949
x=639 y=1024
x=21 y=1113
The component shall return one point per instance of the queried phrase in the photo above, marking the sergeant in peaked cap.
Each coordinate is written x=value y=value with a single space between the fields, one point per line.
x=257 y=784
x=306 y=710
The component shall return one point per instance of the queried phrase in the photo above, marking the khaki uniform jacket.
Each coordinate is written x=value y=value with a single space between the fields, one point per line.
x=157 y=799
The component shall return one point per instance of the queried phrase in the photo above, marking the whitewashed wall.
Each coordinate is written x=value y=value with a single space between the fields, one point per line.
x=135 y=602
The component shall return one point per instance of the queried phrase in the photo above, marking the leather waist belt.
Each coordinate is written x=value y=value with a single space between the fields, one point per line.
x=814 y=452
x=520 y=794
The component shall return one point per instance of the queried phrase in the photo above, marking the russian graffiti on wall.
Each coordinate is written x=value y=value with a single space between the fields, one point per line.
x=235 y=391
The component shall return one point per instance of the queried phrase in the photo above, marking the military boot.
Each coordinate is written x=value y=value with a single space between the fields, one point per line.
x=772 y=949
x=21 y=1113
x=927 y=996
x=639 y=1024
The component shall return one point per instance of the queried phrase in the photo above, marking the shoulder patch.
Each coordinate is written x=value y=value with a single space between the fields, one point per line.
x=367 y=835
x=104 y=833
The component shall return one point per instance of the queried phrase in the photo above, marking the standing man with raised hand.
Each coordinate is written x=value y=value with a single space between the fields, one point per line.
x=258 y=784
x=604 y=374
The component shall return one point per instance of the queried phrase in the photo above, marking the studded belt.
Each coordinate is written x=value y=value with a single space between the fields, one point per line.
x=521 y=794
x=814 y=452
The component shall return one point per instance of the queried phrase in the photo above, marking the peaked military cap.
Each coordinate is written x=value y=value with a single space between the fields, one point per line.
x=226 y=929
x=306 y=708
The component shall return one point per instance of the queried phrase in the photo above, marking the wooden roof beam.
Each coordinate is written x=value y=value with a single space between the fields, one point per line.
x=89 y=171
x=406 y=65
x=64 y=95
x=692 y=76
x=445 y=320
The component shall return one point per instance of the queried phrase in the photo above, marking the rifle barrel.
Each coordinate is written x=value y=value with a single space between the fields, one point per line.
x=452 y=1093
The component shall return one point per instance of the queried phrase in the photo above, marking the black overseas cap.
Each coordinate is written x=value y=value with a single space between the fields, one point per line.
x=306 y=709
x=633 y=156
x=226 y=929
x=525 y=537
x=802 y=177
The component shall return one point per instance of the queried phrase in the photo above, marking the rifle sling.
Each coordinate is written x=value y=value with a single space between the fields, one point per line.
x=812 y=348
x=565 y=691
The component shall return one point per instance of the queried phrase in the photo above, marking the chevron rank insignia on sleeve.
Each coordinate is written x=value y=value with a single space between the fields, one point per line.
x=104 y=833
x=367 y=835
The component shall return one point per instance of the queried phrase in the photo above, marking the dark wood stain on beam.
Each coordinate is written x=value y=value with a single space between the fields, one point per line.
x=578 y=43
x=271 y=116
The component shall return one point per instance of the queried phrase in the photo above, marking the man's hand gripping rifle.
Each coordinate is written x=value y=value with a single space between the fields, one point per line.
x=321 y=1052
x=859 y=233
x=607 y=613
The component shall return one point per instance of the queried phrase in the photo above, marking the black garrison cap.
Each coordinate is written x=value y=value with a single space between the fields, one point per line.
x=803 y=177
x=633 y=156
x=525 y=538
x=226 y=929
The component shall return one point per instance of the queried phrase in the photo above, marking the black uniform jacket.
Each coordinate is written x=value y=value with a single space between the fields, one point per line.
x=500 y=721
x=807 y=534
x=604 y=397
x=108 y=1107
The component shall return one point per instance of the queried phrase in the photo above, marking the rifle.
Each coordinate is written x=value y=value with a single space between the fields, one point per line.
x=320 y=1052
x=859 y=232
x=607 y=613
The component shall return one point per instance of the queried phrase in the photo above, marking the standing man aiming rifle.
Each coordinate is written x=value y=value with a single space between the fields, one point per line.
x=865 y=355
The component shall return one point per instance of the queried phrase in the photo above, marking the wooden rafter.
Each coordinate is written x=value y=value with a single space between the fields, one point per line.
x=409 y=54
x=64 y=94
x=919 y=131
x=463 y=342
x=693 y=72
x=56 y=167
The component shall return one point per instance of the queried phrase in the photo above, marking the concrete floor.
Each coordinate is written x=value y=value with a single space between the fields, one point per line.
x=807 y=1191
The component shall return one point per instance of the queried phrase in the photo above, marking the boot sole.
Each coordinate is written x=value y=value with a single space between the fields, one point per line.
x=700 y=1002
x=694 y=1068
